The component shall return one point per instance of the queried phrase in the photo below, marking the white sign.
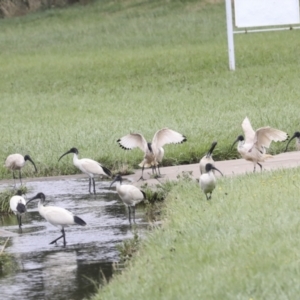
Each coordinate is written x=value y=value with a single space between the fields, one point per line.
x=253 y=13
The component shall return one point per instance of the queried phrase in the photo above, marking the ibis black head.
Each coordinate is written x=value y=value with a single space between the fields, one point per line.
x=40 y=196
x=240 y=138
x=296 y=135
x=118 y=177
x=72 y=150
x=209 y=167
x=27 y=157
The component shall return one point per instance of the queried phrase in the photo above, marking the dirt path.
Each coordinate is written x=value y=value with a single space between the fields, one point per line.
x=227 y=167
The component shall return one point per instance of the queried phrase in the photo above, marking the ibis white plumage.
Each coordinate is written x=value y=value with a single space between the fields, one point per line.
x=57 y=216
x=18 y=206
x=88 y=166
x=207 y=158
x=15 y=162
x=153 y=152
x=253 y=146
x=208 y=180
x=129 y=194
x=297 y=137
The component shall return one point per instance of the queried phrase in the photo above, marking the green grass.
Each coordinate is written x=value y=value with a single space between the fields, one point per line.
x=87 y=75
x=7 y=262
x=243 y=244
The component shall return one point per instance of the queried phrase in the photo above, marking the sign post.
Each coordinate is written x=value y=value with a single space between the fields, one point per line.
x=259 y=13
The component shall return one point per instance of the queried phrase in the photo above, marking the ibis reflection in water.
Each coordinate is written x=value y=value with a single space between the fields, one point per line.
x=15 y=162
x=253 y=146
x=153 y=152
x=130 y=195
x=57 y=216
x=88 y=166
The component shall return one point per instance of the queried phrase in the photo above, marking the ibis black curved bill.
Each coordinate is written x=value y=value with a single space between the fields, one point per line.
x=72 y=150
x=209 y=167
x=240 y=138
x=214 y=168
x=27 y=157
x=117 y=178
x=40 y=196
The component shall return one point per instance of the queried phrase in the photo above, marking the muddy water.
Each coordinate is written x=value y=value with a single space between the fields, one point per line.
x=51 y=271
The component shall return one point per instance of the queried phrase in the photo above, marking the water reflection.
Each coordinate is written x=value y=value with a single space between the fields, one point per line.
x=53 y=272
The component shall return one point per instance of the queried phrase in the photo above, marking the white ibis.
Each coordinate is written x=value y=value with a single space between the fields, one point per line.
x=129 y=194
x=297 y=136
x=88 y=166
x=57 y=216
x=208 y=180
x=18 y=206
x=17 y=162
x=253 y=146
x=153 y=152
x=207 y=158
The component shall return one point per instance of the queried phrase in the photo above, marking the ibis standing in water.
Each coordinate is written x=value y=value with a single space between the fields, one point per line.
x=208 y=180
x=207 y=158
x=57 y=216
x=297 y=136
x=16 y=162
x=18 y=206
x=253 y=146
x=88 y=166
x=153 y=152
x=130 y=195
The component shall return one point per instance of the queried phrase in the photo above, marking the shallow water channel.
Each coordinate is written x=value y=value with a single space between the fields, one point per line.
x=51 y=271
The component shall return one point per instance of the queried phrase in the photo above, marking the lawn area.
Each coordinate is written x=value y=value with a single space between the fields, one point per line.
x=242 y=244
x=87 y=75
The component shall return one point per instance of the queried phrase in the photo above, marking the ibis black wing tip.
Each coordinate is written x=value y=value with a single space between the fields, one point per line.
x=79 y=221
x=107 y=171
x=144 y=194
x=123 y=147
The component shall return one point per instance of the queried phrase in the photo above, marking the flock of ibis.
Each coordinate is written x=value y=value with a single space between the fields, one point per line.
x=252 y=147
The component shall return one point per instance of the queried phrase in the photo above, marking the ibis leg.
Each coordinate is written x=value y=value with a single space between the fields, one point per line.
x=94 y=185
x=14 y=177
x=19 y=218
x=154 y=172
x=90 y=183
x=129 y=214
x=20 y=176
x=260 y=166
x=142 y=174
x=133 y=212
x=158 y=169
x=62 y=236
x=63 y=231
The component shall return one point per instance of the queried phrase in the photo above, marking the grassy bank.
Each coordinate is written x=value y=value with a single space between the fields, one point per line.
x=87 y=75
x=243 y=244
